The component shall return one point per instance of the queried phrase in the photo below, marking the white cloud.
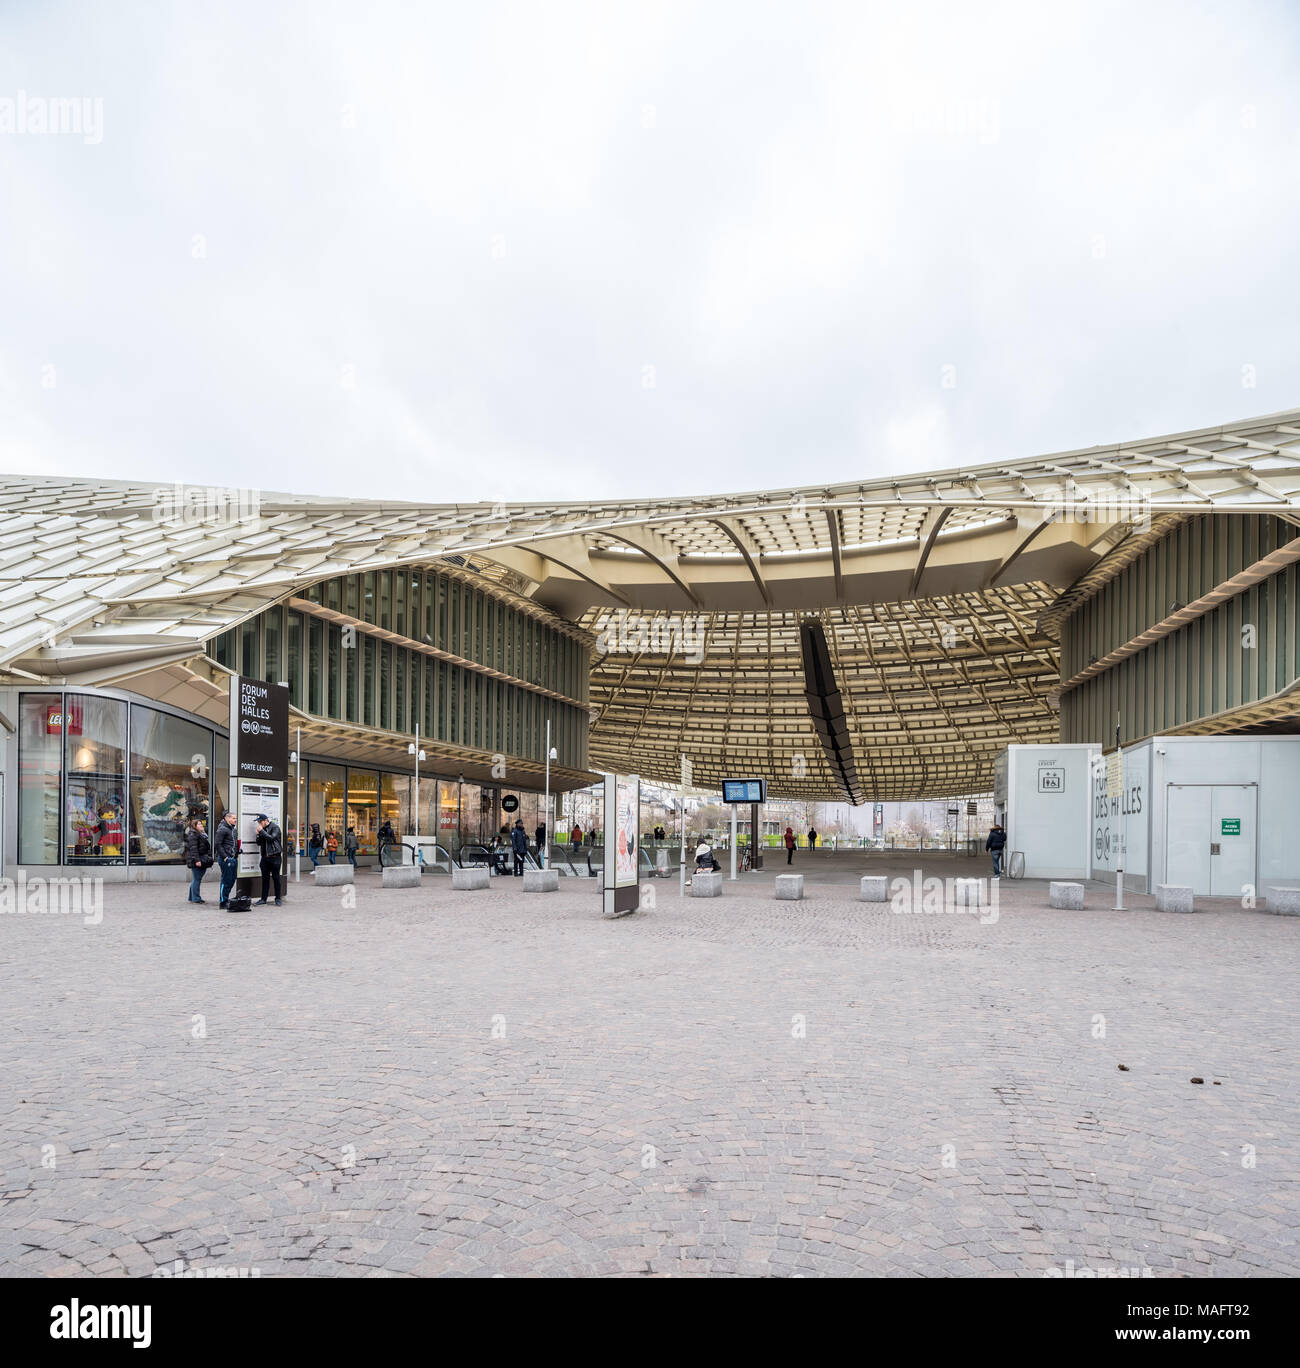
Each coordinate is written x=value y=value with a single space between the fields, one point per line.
x=848 y=239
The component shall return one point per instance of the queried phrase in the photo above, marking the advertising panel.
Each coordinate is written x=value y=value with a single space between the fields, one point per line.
x=622 y=835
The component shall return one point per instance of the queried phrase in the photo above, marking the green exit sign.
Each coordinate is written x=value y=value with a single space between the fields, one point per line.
x=1230 y=826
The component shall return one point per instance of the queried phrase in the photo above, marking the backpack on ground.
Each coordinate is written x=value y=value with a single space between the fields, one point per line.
x=240 y=902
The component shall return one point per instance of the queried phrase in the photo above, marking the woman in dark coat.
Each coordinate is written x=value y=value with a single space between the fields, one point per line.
x=198 y=856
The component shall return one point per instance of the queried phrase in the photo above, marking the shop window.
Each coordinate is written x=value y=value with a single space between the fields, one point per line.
x=363 y=809
x=94 y=749
x=40 y=747
x=171 y=763
x=326 y=791
x=250 y=657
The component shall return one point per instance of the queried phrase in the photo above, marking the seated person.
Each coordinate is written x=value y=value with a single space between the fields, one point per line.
x=704 y=857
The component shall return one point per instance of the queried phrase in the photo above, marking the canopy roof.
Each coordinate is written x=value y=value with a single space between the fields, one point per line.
x=934 y=594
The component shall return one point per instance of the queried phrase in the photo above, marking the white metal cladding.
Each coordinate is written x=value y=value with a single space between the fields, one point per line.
x=931 y=588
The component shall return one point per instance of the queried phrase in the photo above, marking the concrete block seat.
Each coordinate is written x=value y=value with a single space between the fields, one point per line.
x=1173 y=898
x=968 y=892
x=873 y=888
x=472 y=876
x=1065 y=895
x=789 y=887
x=401 y=876
x=541 y=880
x=1284 y=901
x=707 y=885
x=333 y=876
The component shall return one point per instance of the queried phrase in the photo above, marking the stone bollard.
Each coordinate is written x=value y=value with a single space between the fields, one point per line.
x=873 y=888
x=541 y=880
x=401 y=876
x=1173 y=898
x=473 y=876
x=789 y=887
x=1065 y=895
x=1284 y=901
x=968 y=892
x=707 y=885
x=333 y=876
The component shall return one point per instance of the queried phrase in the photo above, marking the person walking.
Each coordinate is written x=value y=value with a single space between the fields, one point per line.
x=540 y=833
x=789 y=845
x=575 y=836
x=331 y=846
x=315 y=842
x=995 y=845
x=270 y=843
x=227 y=852
x=198 y=856
x=812 y=838
x=350 y=845
x=519 y=843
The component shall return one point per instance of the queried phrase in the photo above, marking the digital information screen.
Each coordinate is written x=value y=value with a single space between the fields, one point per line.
x=744 y=790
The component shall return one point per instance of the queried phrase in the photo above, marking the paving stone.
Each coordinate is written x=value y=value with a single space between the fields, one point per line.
x=477 y=1083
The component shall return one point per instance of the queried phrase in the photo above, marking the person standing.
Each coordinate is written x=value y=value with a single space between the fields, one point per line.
x=270 y=842
x=350 y=845
x=519 y=843
x=227 y=851
x=575 y=836
x=789 y=845
x=540 y=833
x=812 y=838
x=995 y=845
x=198 y=856
x=331 y=846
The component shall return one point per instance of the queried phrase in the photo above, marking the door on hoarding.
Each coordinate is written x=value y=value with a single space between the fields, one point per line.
x=1210 y=837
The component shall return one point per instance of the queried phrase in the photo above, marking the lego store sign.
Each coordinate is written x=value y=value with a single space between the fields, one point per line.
x=56 y=719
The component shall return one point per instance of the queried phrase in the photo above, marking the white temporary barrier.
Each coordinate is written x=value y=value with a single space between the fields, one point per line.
x=1216 y=814
x=1043 y=794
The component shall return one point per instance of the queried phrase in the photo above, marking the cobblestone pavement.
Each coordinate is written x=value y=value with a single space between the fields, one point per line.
x=500 y=1083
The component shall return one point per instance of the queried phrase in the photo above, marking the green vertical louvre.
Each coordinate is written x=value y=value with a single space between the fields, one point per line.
x=1204 y=667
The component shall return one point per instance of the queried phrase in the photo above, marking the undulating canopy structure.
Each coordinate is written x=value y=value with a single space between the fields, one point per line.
x=880 y=639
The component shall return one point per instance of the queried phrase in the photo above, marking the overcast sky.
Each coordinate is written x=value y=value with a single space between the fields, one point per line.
x=461 y=252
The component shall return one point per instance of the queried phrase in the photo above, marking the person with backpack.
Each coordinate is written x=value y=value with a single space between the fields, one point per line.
x=227 y=852
x=995 y=845
x=519 y=844
x=270 y=842
x=350 y=846
x=198 y=856
x=315 y=842
x=331 y=846
x=789 y=845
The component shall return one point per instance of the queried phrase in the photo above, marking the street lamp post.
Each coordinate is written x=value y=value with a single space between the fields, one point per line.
x=297 y=813
x=414 y=749
x=551 y=754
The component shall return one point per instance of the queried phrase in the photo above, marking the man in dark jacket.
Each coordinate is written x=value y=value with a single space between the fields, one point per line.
x=270 y=841
x=227 y=848
x=995 y=845
x=519 y=843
